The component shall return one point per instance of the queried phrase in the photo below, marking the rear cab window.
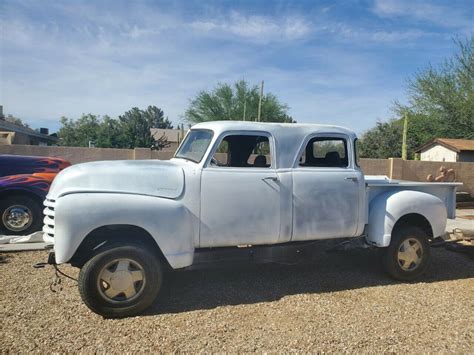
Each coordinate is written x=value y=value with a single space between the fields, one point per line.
x=327 y=152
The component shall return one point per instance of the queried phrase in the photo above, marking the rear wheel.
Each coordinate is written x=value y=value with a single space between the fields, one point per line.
x=409 y=254
x=20 y=215
x=120 y=281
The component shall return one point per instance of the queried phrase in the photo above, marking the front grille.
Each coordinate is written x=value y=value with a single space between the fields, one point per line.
x=48 y=227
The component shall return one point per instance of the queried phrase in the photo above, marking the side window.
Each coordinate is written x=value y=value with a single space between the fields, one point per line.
x=356 y=152
x=325 y=152
x=243 y=151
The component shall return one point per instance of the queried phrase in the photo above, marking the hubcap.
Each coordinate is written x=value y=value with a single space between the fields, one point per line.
x=17 y=218
x=121 y=280
x=410 y=254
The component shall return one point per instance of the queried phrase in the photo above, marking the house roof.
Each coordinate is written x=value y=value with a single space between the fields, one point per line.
x=456 y=145
x=11 y=127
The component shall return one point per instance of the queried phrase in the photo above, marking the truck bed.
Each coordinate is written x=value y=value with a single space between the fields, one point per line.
x=445 y=191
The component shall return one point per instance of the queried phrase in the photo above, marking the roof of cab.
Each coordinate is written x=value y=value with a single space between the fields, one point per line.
x=273 y=128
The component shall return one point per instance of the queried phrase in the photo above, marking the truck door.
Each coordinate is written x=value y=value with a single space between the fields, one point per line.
x=327 y=189
x=240 y=193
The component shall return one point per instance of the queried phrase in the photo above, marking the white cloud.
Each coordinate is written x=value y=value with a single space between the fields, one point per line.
x=447 y=16
x=82 y=60
x=256 y=28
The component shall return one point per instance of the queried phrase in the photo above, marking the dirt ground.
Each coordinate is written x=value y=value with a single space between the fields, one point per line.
x=335 y=302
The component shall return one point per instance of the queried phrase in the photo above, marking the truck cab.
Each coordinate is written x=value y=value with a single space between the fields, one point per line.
x=261 y=187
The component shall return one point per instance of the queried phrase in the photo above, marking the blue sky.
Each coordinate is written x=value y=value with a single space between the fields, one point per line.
x=339 y=62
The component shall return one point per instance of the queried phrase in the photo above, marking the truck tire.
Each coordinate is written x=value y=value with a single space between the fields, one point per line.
x=408 y=255
x=20 y=215
x=120 y=281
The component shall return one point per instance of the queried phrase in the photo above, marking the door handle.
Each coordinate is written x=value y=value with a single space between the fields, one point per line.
x=272 y=178
x=352 y=178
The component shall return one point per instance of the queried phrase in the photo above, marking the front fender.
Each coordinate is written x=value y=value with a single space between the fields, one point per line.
x=167 y=221
x=387 y=208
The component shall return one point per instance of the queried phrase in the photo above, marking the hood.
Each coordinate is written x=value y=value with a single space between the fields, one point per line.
x=140 y=177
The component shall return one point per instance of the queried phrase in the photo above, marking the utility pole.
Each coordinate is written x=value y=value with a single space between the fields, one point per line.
x=405 y=132
x=245 y=105
x=260 y=103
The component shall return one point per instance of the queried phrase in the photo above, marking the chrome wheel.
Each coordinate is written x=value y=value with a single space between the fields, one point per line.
x=17 y=218
x=410 y=254
x=121 y=280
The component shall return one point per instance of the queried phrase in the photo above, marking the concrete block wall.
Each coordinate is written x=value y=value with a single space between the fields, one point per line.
x=375 y=166
x=78 y=155
x=394 y=168
x=416 y=170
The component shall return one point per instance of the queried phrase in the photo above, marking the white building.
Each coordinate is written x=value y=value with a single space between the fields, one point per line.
x=449 y=150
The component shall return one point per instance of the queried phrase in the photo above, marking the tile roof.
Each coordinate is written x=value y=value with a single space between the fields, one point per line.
x=453 y=144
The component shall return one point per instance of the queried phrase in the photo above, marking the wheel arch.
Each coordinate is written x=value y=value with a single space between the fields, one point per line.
x=114 y=234
x=22 y=192
x=414 y=219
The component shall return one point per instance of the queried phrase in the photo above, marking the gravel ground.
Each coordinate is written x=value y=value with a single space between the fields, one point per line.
x=336 y=302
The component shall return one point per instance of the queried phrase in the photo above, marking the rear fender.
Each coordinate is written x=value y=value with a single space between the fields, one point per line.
x=387 y=208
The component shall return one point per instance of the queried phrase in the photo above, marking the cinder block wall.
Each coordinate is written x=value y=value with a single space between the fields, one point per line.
x=375 y=166
x=394 y=167
x=78 y=155
x=416 y=170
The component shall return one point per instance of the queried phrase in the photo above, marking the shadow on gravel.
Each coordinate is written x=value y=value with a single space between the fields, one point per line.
x=324 y=272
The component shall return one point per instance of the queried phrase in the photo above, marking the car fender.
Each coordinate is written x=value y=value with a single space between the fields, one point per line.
x=387 y=208
x=166 y=220
x=32 y=184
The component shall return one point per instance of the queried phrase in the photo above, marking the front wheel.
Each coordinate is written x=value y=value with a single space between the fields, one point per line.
x=408 y=255
x=120 y=281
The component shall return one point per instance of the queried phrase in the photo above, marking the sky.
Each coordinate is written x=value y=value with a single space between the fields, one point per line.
x=335 y=62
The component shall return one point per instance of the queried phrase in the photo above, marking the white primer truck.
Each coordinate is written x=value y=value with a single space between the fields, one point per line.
x=232 y=185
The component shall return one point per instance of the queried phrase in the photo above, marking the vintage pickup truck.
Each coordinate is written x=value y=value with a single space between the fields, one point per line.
x=232 y=186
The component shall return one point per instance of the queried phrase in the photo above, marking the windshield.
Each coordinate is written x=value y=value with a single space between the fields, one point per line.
x=195 y=145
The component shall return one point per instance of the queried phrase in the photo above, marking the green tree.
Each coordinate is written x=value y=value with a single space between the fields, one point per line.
x=135 y=125
x=229 y=102
x=130 y=130
x=383 y=141
x=78 y=133
x=440 y=104
x=445 y=95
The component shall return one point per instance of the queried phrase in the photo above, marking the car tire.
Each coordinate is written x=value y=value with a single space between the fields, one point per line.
x=408 y=255
x=20 y=215
x=120 y=281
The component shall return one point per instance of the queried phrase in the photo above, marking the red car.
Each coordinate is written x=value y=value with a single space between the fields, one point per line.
x=24 y=184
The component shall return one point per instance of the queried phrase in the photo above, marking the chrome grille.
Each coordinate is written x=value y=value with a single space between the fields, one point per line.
x=48 y=226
